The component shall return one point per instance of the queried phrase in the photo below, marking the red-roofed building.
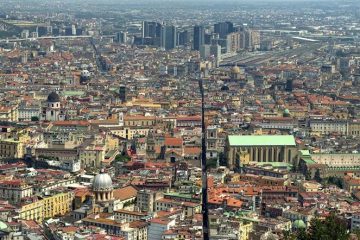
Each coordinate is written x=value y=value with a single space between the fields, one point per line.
x=159 y=226
x=188 y=121
x=171 y=142
x=13 y=167
x=15 y=190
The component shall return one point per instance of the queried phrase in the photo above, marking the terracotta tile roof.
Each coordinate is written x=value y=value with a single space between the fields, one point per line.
x=170 y=141
x=192 y=150
x=125 y=193
x=189 y=118
x=30 y=224
x=138 y=224
x=69 y=229
x=123 y=211
x=162 y=221
x=103 y=237
x=71 y=123
x=173 y=211
x=138 y=117
x=81 y=192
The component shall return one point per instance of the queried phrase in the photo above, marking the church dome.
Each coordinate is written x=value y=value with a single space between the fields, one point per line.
x=247 y=119
x=224 y=88
x=286 y=113
x=102 y=182
x=85 y=73
x=53 y=97
x=299 y=224
x=236 y=70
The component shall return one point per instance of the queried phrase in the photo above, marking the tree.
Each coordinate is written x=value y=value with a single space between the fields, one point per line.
x=211 y=163
x=356 y=232
x=122 y=158
x=317 y=176
x=289 y=236
x=331 y=228
x=34 y=118
x=335 y=180
x=308 y=175
x=222 y=159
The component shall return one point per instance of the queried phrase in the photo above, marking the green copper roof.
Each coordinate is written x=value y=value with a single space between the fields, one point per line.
x=262 y=140
x=305 y=152
x=275 y=164
x=308 y=160
x=299 y=224
x=179 y=195
x=4 y=227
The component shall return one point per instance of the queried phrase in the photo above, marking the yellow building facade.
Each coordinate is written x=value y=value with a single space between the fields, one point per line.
x=129 y=133
x=139 y=121
x=92 y=156
x=10 y=114
x=10 y=148
x=32 y=211
x=245 y=228
x=57 y=204
x=53 y=205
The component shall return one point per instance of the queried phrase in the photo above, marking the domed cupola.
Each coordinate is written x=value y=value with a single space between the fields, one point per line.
x=53 y=97
x=103 y=187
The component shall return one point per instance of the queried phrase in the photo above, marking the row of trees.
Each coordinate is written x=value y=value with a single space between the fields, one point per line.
x=330 y=228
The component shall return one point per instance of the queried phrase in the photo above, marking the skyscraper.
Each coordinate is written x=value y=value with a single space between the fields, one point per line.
x=73 y=29
x=145 y=29
x=215 y=50
x=41 y=30
x=183 y=38
x=121 y=37
x=149 y=29
x=168 y=37
x=68 y=31
x=233 y=42
x=151 y=33
x=204 y=51
x=199 y=37
x=250 y=39
x=223 y=28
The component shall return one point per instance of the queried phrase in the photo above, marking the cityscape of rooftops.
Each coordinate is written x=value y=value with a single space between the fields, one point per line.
x=180 y=120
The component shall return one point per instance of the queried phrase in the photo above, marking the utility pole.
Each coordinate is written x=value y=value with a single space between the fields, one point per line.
x=204 y=204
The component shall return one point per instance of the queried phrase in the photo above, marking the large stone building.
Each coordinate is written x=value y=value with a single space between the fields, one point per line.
x=133 y=230
x=329 y=164
x=145 y=200
x=233 y=42
x=53 y=110
x=214 y=143
x=11 y=148
x=9 y=113
x=260 y=148
x=340 y=126
x=15 y=190
x=55 y=203
x=92 y=156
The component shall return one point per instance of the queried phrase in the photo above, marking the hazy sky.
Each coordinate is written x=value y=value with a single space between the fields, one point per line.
x=190 y=1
